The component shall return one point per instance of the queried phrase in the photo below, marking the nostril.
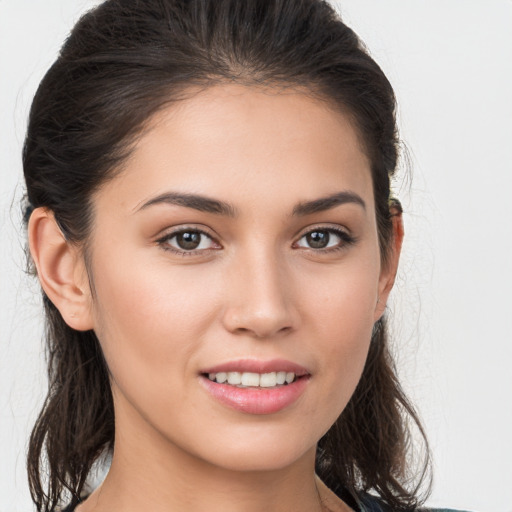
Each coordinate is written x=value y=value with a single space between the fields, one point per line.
x=262 y=332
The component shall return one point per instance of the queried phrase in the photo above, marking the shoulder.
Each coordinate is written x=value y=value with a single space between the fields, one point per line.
x=369 y=503
x=441 y=510
x=337 y=500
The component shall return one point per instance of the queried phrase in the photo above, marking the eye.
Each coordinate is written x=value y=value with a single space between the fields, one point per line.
x=325 y=238
x=187 y=241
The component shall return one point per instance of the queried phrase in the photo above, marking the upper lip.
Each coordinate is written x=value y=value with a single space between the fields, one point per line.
x=258 y=366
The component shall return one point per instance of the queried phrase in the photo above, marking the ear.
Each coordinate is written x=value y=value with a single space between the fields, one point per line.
x=390 y=267
x=61 y=270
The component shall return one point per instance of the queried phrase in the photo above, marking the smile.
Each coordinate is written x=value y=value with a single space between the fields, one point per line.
x=256 y=387
x=253 y=380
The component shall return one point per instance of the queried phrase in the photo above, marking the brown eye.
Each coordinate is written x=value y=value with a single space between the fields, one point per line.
x=325 y=239
x=187 y=240
x=318 y=239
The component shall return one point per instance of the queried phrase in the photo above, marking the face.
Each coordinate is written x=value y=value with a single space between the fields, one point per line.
x=239 y=242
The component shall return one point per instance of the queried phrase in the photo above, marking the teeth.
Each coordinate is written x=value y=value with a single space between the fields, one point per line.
x=250 y=379
x=268 y=380
x=281 y=377
x=221 y=377
x=234 y=378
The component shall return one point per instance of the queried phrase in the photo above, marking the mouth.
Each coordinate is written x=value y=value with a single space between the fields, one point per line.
x=256 y=387
x=254 y=380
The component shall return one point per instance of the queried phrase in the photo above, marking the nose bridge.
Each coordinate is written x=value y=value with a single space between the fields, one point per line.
x=260 y=299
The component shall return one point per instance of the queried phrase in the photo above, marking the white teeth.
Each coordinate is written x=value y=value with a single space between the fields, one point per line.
x=251 y=379
x=234 y=378
x=268 y=380
x=221 y=377
x=280 y=378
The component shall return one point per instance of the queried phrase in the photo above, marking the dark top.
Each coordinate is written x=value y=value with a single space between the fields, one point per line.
x=365 y=503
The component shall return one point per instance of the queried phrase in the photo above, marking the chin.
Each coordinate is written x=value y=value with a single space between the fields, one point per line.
x=259 y=452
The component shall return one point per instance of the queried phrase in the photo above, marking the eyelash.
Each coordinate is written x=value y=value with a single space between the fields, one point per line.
x=163 y=242
x=346 y=240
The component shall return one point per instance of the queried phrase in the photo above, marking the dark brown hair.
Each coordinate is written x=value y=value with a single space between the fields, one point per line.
x=122 y=63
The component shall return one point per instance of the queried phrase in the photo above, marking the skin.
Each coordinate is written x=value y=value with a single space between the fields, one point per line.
x=254 y=289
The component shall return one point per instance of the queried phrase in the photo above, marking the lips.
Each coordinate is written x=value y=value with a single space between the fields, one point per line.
x=256 y=387
x=255 y=366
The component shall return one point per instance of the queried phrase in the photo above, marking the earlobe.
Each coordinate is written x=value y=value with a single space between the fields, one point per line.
x=389 y=270
x=60 y=269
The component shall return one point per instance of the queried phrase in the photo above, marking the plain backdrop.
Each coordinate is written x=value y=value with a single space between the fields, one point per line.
x=450 y=62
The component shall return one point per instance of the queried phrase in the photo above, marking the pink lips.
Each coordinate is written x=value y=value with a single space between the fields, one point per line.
x=254 y=400
x=252 y=365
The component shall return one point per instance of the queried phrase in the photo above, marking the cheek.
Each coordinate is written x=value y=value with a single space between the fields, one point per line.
x=151 y=325
x=341 y=311
x=343 y=301
x=150 y=317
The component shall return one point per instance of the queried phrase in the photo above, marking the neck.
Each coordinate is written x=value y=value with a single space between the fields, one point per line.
x=149 y=472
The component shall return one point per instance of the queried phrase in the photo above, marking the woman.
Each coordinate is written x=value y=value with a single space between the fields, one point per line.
x=212 y=226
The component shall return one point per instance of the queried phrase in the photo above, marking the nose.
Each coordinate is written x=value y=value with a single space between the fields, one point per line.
x=261 y=299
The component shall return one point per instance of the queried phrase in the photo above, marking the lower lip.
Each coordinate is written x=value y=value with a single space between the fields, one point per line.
x=256 y=400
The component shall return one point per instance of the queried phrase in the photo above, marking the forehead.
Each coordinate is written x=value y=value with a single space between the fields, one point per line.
x=237 y=142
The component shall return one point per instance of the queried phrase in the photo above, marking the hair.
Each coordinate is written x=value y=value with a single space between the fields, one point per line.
x=123 y=62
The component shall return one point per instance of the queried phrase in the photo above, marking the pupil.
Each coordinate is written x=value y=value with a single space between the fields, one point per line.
x=318 y=239
x=188 y=240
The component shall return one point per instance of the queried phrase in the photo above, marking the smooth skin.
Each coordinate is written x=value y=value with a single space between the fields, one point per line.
x=270 y=273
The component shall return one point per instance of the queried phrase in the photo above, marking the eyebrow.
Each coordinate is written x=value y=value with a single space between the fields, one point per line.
x=197 y=202
x=326 y=203
x=215 y=206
